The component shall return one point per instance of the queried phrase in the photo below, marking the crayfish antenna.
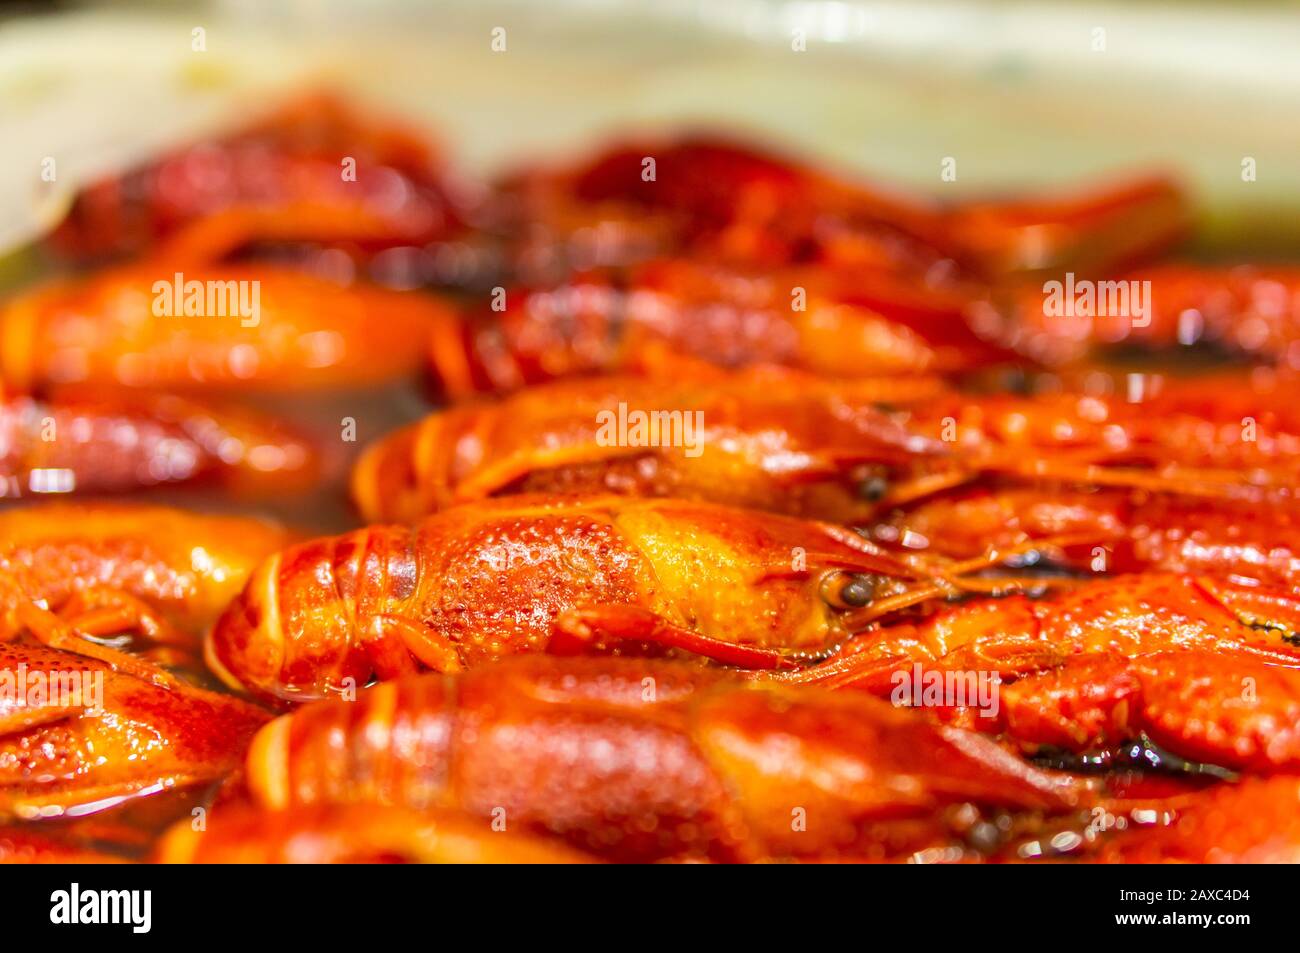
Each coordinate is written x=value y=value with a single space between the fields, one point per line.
x=859 y=619
x=929 y=484
x=856 y=669
x=994 y=556
x=1186 y=481
x=947 y=579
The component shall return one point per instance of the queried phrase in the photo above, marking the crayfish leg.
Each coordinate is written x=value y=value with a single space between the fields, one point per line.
x=102 y=611
x=433 y=651
x=862 y=670
x=491 y=479
x=51 y=631
x=584 y=630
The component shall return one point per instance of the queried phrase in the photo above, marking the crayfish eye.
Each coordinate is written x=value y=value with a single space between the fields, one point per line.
x=844 y=590
x=873 y=488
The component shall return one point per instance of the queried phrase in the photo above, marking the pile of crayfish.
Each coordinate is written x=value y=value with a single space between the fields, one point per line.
x=753 y=514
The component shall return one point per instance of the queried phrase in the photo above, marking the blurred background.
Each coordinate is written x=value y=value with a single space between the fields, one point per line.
x=1016 y=93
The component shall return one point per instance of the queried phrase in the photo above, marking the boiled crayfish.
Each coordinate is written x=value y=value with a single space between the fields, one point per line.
x=160 y=325
x=477 y=582
x=765 y=438
x=1109 y=530
x=314 y=170
x=85 y=441
x=1245 y=311
x=662 y=315
x=710 y=196
x=76 y=735
x=635 y=759
x=791 y=442
x=74 y=575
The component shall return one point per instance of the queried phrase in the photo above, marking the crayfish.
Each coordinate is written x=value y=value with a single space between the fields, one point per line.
x=121 y=327
x=766 y=438
x=712 y=197
x=636 y=759
x=78 y=736
x=477 y=582
x=1112 y=530
x=1245 y=311
x=79 y=441
x=661 y=316
x=1206 y=667
x=649 y=759
x=313 y=171
x=79 y=575
x=773 y=517
x=791 y=442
